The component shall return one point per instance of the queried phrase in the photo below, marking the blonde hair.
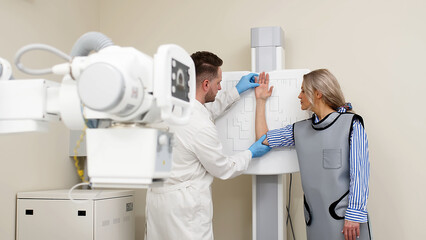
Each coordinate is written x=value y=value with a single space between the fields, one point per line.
x=323 y=81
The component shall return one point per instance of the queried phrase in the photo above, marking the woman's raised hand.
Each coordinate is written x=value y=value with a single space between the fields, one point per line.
x=262 y=92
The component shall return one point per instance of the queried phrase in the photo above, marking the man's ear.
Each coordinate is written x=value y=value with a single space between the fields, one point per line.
x=205 y=85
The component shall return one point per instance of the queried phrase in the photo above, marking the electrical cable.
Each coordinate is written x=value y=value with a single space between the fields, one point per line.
x=75 y=186
x=289 y=196
x=80 y=171
x=5 y=70
x=288 y=207
x=87 y=124
x=291 y=225
x=38 y=46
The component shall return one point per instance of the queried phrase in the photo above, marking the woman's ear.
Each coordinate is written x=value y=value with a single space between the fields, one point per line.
x=318 y=94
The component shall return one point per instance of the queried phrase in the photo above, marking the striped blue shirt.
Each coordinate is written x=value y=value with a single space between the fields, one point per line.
x=358 y=161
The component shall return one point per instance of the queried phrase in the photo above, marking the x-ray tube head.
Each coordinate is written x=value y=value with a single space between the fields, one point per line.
x=101 y=87
x=124 y=90
x=114 y=81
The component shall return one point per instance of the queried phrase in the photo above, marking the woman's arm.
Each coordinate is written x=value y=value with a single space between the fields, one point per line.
x=356 y=212
x=359 y=174
x=262 y=93
x=281 y=137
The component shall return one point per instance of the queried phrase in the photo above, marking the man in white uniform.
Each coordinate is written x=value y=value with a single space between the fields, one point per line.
x=182 y=209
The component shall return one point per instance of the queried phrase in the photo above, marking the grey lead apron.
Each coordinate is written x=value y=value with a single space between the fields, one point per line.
x=323 y=152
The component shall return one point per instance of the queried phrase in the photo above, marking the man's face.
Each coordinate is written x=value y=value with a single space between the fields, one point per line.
x=214 y=87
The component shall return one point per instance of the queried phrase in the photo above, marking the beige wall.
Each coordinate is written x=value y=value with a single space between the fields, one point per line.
x=375 y=48
x=38 y=161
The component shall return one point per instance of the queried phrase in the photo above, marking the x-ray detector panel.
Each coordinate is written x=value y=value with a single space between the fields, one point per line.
x=237 y=129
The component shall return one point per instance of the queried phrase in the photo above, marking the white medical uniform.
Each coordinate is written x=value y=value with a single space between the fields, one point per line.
x=182 y=209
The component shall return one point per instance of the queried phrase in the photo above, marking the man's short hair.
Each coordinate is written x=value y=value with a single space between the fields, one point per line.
x=206 y=65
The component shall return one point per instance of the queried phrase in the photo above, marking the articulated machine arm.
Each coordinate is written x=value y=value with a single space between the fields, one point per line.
x=118 y=93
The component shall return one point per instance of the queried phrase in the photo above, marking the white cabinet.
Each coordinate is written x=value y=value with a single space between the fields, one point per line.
x=93 y=215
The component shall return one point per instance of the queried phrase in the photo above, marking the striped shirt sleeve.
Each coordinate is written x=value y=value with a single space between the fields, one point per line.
x=359 y=175
x=281 y=137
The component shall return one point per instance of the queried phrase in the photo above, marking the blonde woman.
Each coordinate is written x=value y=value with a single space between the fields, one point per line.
x=332 y=149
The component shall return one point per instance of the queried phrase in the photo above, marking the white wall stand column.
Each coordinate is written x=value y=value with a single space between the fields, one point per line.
x=237 y=130
x=267 y=45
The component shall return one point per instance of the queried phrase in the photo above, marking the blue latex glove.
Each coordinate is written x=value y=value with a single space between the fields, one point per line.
x=246 y=82
x=258 y=149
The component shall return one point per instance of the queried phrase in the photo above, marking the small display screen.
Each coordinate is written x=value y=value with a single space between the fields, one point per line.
x=180 y=80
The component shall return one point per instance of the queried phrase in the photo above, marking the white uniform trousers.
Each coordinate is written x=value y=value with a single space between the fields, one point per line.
x=179 y=212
